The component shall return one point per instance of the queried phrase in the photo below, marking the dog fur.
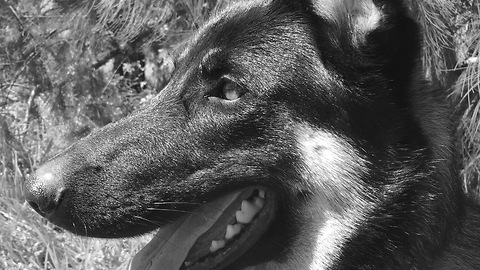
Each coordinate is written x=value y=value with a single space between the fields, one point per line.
x=321 y=102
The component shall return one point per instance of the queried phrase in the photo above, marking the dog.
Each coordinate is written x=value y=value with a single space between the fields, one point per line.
x=292 y=135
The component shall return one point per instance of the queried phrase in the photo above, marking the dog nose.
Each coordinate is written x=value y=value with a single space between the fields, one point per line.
x=45 y=189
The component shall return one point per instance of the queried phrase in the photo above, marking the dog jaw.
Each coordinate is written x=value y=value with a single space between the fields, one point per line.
x=213 y=236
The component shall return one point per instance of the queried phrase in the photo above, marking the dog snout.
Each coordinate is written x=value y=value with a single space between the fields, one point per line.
x=44 y=190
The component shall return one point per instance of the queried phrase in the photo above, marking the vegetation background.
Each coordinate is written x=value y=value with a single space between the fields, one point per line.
x=68 y=67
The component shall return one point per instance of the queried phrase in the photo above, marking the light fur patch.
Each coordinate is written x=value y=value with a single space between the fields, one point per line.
x=362 y=16
x=332 y=164
x=332 y=169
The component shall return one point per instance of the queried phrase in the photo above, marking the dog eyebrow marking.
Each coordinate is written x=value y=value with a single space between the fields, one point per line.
x=207 y=64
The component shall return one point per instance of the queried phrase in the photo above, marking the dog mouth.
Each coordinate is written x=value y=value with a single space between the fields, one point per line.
x=213 y=236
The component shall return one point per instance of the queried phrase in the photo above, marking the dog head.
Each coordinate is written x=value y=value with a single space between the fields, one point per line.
x=307 y=106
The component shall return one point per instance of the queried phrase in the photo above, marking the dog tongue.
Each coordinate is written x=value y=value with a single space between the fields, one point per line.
x=171 y=245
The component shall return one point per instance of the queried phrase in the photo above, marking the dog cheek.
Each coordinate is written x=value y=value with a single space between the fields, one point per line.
x=332 y=166
x=331 y=170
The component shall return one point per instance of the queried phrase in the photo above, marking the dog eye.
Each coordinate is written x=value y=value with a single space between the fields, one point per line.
x=231 y=91
x=227 y=91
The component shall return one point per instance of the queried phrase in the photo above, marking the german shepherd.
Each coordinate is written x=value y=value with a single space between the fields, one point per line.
x=292 y=135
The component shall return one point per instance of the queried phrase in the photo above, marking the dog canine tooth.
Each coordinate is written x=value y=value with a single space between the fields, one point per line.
x=261 y=193
x=216 y=245
x=232 y=230
x=246 y=213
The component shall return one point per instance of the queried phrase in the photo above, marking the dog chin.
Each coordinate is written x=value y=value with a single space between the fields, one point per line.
x=213 y=236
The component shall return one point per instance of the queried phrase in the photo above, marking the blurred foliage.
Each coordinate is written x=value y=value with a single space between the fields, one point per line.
x=69 y=66
x=467 y=93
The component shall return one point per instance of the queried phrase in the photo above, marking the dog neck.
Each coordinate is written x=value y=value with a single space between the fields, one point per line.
x=461 y=252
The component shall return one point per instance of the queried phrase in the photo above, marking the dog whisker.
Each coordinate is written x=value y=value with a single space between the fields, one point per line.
x=156 y=223
x=189 y=212
x=171 y=210
x=170 y=203
x=186 y=203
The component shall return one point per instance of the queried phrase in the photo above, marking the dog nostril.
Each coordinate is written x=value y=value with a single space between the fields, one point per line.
x=46 y=202
x=34 y=205
x=44 y=193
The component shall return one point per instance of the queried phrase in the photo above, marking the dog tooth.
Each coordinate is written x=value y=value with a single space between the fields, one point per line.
x=187 y=263
x=232 y=230
x=216 y=245
x=259 y=202
x=249 y=208
x=261 y=193
x=242 y=218
x=247 y=212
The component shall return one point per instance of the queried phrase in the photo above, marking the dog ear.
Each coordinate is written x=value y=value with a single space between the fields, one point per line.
x=379 y=34
x=356 y=18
